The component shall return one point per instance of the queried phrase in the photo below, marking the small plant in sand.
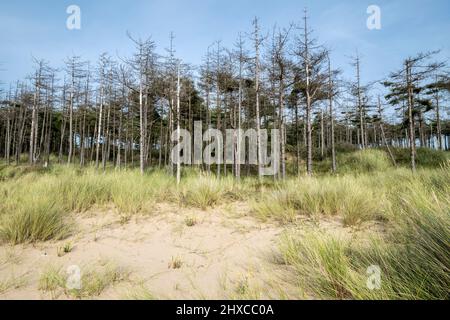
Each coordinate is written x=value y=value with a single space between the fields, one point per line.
x=124 y=219
x=140 y=293
x=190 y=221
x=94 y=280
x=65 y=249
x=175 y=263
x=52 y=280
x=13 y=282
x=242 y=287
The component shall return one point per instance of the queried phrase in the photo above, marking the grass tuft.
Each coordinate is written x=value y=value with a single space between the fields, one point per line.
x=35 y=220
x=413 y=256
x=93 y=281
x=175 y=263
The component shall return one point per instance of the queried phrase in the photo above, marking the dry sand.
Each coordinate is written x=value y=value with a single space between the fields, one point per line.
x=225 y=255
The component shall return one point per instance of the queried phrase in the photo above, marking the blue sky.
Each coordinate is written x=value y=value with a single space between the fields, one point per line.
x=38 y=28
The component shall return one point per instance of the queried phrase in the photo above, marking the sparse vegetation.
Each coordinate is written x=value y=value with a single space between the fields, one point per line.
x=65 y=249
x=190 y=221
x=35 y=218
x=94 y=280
x=426 y=158
x=175 y=263
x=413 y=255
x=365 y=161
x=53 y=281
x=355 y=199
x=13 y=282
x=413 y=209
x=140 y=293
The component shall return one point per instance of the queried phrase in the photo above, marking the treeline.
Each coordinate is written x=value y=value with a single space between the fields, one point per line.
x=124 y=110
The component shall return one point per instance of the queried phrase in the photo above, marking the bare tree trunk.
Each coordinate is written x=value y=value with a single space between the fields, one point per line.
x=383 y=134
x=360 y=104
x=412 y=139
x=421 y=130
x=106 y=138
x=297 y=133
x=322 y=135
x=99 y=128
x=438 y=119
x=69 y=159
x=8 y=138
x=83 y=139
x=218 y=107
x=258 y=117
x=309 y=168
x=161 y=143
x=32 y=159
x=238 y=144
x=63 y=125
x=282 y=129
x=141 y=124
x=119 y=138
x=330 y=101
x=49 y=131
x=178 y=126
x=208 y=107
x=23 y=113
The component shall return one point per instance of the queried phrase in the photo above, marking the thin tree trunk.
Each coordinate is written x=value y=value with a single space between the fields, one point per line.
x=330 y=101
x=360 y=105
x=383 y=134
x=178 y=127
x=412 y=139
x=258 y=118
x=69 y=159
x=438 y=119
x=34 y=119
x=99 y=128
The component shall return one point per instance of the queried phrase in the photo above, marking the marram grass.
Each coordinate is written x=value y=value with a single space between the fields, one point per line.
x=414 y=255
